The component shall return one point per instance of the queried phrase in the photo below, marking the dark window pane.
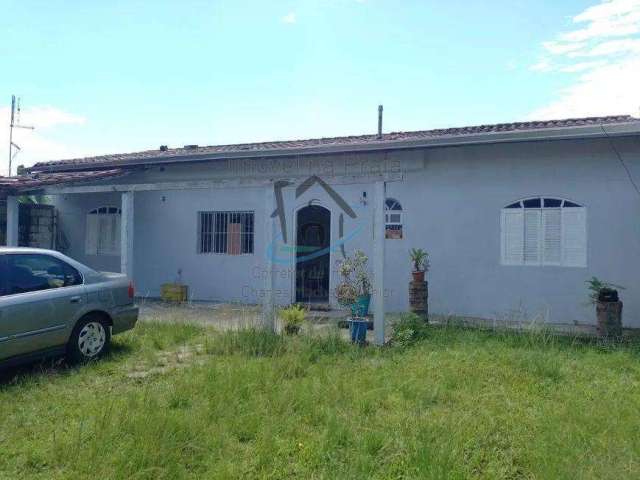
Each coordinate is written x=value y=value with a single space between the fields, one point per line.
x=33 y=272
x=552 y=202
x=532 y=203
x=392 y=204
x=568 y=204
x=514 y=205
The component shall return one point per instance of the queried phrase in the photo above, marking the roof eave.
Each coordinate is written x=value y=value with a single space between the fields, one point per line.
x=573 y=133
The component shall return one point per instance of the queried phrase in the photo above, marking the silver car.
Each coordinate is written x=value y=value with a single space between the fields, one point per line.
x=51 y=305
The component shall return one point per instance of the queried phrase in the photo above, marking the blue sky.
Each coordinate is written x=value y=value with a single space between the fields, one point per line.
x=107 y=77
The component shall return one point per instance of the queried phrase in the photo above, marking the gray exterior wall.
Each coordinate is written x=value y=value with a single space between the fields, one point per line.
x=72 y=218
x=452 y=198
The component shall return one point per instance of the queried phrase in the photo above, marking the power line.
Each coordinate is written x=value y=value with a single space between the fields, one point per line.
x=624 y=165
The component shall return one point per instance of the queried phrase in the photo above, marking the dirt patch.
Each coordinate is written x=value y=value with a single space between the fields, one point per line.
x=218 y=315
x=169 y=360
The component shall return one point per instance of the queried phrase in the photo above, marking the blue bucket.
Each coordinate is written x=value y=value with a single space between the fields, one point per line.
x=361 y=307
x=358 y=329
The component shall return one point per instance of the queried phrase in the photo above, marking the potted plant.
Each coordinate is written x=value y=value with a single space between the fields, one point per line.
x=418 y=288
x=608 y=306
x=420 y=260
x=354 y=292
x=292 y=318
x=355 y=274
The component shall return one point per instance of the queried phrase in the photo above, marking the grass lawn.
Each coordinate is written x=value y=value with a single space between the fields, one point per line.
x=457 y=404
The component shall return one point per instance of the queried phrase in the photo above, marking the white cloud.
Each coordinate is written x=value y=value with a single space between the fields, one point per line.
x=46 y=117
x=612 y=47
x=612 y=18
x=39 y=144
x=542 y=66
x=557 y=48
x=581 y=67
x=289 y=18
x=609 y=37
x=607 y=90
x=606 y=10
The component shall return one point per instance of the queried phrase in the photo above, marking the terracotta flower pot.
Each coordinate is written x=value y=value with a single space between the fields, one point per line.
x=418 y=276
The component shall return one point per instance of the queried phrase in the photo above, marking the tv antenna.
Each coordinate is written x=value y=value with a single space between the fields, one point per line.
x=15 y=123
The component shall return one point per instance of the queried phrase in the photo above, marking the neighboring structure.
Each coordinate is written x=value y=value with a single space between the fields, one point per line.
x=515 y=216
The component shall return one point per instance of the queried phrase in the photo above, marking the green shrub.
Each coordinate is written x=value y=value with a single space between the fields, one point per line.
x=293 y=315
x=409 y=329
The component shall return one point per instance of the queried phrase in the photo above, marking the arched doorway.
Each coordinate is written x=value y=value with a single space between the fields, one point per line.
x=313 y=239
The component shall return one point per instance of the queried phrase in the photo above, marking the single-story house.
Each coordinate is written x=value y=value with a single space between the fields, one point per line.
x=515 y=217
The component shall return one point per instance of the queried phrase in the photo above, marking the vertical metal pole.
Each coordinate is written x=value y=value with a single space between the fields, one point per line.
x=13 y=109
x=380 y=108
x=378 y=262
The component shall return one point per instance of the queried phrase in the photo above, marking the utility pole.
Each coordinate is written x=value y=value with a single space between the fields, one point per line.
x=14 y=123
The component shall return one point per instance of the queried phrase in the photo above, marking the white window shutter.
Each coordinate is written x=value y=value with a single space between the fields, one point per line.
x=574 y=237
x=103 y=234
x=512 y=236
x=552 y=244
x=91 y=235
x=532 y=236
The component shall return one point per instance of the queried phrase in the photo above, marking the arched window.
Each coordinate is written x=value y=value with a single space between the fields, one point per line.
x=103 y=231
x=544 y=231
x=393 y=218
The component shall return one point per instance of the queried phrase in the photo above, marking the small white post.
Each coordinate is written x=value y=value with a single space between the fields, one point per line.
x=126 y=234
x=13 y=220
x=378 y=262
x=267 y=300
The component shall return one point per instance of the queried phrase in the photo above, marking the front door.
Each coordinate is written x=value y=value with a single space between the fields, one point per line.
x=313 y=240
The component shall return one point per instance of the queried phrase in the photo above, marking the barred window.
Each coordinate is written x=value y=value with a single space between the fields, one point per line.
x=230 y=233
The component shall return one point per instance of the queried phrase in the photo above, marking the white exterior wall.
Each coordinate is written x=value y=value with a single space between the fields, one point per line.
x=452 y=198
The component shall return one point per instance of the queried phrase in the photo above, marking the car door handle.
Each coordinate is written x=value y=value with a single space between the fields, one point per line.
x=75 y=299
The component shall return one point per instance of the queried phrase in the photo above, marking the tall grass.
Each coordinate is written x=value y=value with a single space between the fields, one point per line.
x=458 y=403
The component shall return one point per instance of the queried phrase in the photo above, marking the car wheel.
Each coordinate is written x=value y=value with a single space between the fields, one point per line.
x=90 y=339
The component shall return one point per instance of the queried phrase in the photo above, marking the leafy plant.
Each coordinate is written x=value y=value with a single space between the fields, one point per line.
x=346 y=294
x=356 y=280
x=420 y=259
x=409 y=329
x=598 y=287
x=293 y=315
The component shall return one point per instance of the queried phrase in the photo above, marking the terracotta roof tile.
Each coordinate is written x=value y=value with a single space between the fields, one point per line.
x=350 y=141
x=35 y=180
